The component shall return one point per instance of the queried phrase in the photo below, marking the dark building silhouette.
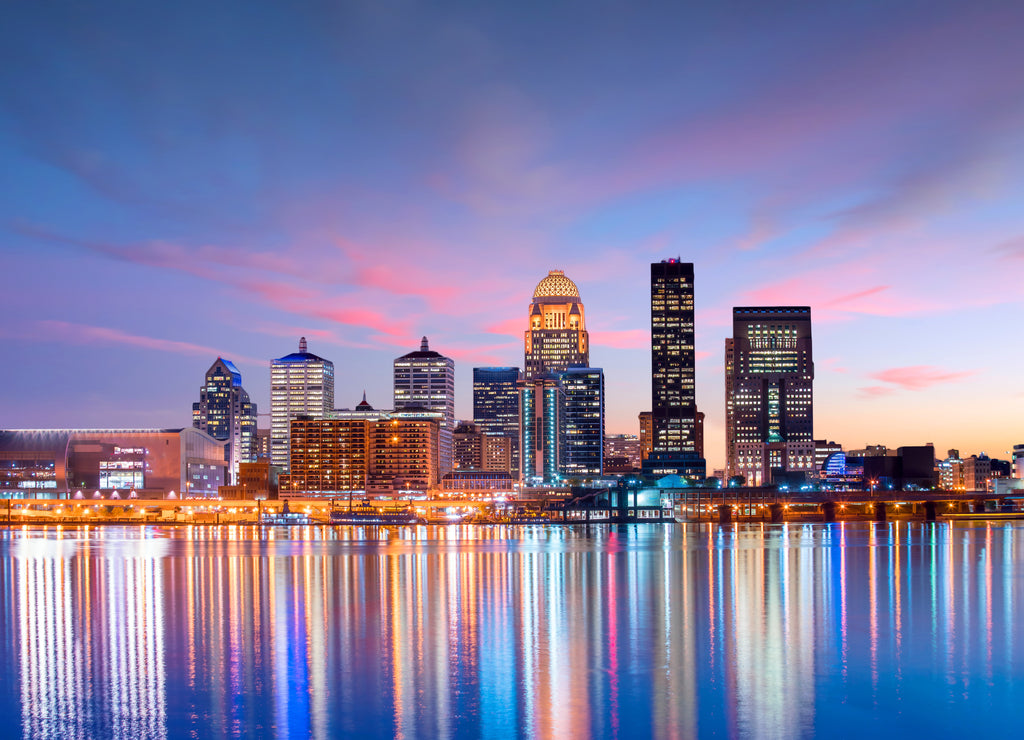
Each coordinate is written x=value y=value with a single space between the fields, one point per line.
x=673 y=376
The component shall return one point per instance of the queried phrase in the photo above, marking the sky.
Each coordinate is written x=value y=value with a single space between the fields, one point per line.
x=185 y=180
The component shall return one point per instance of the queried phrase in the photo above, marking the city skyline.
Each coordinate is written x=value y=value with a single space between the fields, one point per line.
x=185 y=207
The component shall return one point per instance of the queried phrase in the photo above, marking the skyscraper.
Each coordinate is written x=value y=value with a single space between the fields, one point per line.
x=300 y=383
x=496 y=406
x=542 y=427
x=673 y=387
x=769 y=388
x=584 y=422
x=556 y=337
x=426 y=379
x=225 y=412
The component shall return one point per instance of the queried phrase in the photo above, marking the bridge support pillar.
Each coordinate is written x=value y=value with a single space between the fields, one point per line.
x=828 y=510
x=930 y=510
x=978 y=506
x=879 y=511
x=776 y=512
x=725 y=514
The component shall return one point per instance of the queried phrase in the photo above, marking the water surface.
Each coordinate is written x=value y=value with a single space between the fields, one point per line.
x=532 y=631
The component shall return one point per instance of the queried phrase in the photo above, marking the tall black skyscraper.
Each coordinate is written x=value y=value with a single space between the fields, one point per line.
x=673 y=387
x=769 y=380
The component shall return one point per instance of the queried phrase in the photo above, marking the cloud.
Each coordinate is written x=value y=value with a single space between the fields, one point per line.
x=621 y=338
x=912 y=378
x=83 y=334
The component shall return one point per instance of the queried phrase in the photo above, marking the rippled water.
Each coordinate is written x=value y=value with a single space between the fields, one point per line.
x=628 y=631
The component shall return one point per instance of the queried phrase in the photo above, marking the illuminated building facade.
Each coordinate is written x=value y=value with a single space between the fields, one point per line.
x=261 y=444
x=327 y=456
x=646 y=435
x=583 y=449
x=977 y=472
x=426 y=380
x=496 y=407
x=405 y=452
x=80 y=463
x=769 y=391
x=673 y=373
x=363 y=450
x=556 y=336
x=475 y=450
x=951 y=472
x=542 y=428
x=225 y=412
x=256 y=480
x=301 y=384
x=625 y=450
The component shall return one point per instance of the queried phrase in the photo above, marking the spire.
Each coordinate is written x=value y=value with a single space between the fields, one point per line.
x=302 y=344
x=364 y=395
x=424 y=347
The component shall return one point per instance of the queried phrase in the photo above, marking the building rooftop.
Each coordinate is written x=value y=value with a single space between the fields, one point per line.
x=424 y=353
x=556 y=285
x=302 y=355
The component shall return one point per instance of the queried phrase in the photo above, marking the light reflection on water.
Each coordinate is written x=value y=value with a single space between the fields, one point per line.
x=462 y=631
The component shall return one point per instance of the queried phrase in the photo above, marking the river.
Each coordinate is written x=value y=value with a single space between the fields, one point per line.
x=673 y=631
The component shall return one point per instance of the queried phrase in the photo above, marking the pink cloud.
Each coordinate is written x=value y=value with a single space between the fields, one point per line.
x=511 y=327
x=874 y=391
x=622 y=338
x=912 y=378
x=70 y=333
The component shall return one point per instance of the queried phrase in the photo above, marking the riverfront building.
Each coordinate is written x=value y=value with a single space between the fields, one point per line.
x=426 y=380
x=769 y=369
x=556 y=336
x=382 y=453
x=673 y=373
x=110 y=463
x=225 y=412
x=496 y=407
x=301 y=384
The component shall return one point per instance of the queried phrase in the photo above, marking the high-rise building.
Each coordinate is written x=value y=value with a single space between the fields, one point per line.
x=673 y=372
x=404 y=452
x=300 y=384
x=225 y=412
x=496 y=407
x=770 y=388
x=426 y=380
x=556 y=337
x=584 y=422
x=542 y=428
x=328 y=456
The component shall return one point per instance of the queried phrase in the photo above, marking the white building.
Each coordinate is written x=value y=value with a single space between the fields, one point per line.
x=426 y=379
x=300 y=383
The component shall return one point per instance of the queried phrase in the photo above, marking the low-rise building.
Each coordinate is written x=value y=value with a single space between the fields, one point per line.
x=110 y=463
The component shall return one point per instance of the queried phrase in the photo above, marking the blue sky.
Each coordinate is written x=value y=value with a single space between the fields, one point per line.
x=185 y=180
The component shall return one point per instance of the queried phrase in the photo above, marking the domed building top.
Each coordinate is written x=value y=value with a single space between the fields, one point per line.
x=556 y=285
